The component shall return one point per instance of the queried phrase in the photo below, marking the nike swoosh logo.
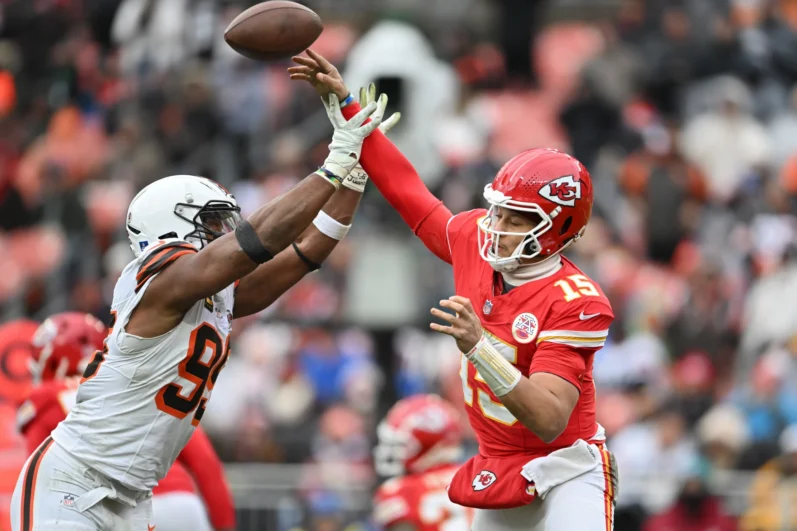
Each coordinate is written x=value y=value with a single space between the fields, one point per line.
x=585 y=317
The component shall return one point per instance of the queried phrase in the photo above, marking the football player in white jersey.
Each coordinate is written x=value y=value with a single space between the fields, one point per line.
x=198 y=266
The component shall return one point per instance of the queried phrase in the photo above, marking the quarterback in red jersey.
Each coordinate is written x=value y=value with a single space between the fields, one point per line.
x=419 y=448
x=63 y=345
x=528 y=323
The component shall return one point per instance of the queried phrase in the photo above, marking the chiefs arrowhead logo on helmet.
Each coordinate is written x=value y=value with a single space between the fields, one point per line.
x=562 y=191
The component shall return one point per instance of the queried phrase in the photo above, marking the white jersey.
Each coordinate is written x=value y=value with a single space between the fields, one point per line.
x=140 y=399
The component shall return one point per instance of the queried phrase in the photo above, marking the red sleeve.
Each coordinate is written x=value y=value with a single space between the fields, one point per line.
x=201 y=460
x=569 y=338
x=399 y=183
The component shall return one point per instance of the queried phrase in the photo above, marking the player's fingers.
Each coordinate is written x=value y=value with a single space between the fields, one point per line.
x=369 y=128
x=301 y=77
x=305 y=61
x=447 y=330
x=334 y=109
x=464 y=301
x=300 y=70
x=363 y=115
x=371 y=92
x=452 y=305
x=363 y=96
x=445 y=316
x=390 y=123
x=325 y=65
x=381 y=105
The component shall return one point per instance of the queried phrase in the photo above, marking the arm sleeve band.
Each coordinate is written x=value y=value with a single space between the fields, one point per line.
x=499 y=374
x=312 y=266
x=251 y=244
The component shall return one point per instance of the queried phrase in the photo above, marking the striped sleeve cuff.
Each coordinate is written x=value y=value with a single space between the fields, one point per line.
x=574 y=338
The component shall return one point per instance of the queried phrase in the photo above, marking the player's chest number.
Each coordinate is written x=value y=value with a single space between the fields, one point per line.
x=173 y=398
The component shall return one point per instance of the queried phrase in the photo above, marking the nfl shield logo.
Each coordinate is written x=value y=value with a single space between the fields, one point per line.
x=487 y=308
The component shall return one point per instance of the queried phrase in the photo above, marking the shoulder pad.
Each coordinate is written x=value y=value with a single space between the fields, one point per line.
x=160 y=257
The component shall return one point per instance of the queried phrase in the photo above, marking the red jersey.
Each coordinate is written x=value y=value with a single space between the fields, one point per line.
x=197 y=466
x=553 y=324
x=421 y=500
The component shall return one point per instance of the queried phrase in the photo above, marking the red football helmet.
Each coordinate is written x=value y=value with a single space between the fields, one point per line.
x=548 y=183
x=419 y=432
x=63 y=344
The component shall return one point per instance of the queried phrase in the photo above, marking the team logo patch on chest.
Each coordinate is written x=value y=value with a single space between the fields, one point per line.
x=562 y=191
x=483 y=479
x=209 y=304
x=525 y=328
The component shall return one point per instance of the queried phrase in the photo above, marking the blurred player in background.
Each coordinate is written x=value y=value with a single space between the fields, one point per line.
x=528 y=323
x=419 y=448
x=197 y=266
x=64 y=344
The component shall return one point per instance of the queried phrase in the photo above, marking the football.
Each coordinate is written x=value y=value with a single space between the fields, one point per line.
x=273 y=30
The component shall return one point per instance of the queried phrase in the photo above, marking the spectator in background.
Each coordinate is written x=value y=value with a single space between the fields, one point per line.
x=728 y=145
x=722 y=435
x=694 y=510
x=668 y=190
x=657 y=447
x=767 y=404
x=693 y=378
x=773 y=495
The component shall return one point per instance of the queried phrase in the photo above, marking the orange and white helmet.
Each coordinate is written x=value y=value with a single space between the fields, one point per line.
x=552 y=188
x=419 y=432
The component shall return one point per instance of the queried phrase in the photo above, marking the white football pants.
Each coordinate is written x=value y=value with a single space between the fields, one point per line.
x=55 y=492
x=585 y=503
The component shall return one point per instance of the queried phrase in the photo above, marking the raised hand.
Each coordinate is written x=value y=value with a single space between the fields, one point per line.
x=347 y=140
x=357 y=178
x=465 y=327
x=320 y=73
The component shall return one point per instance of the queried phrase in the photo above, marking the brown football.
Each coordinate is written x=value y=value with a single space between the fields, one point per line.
x=273 y=30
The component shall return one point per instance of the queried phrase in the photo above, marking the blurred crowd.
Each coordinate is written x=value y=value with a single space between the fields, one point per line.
x=685 y=112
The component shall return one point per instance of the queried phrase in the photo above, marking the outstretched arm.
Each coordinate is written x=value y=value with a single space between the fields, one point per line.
x=192 y=276
x=389 y=169
x=259 y=289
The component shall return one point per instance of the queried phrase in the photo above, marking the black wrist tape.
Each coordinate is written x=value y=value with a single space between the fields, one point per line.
x=312 y=266
x=250 y=243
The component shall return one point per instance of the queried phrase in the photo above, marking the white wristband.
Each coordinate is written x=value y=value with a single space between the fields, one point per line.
x=329 y=226
x=499 y=374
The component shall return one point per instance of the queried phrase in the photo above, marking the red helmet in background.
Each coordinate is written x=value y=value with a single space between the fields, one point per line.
x=63 y=344
x=550 y=185
x=419 y=432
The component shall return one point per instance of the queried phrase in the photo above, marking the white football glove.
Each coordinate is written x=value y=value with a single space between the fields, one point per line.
x=357 y=179
x=347 y=140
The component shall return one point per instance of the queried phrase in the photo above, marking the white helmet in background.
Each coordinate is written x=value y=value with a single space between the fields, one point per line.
x=187 y=207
